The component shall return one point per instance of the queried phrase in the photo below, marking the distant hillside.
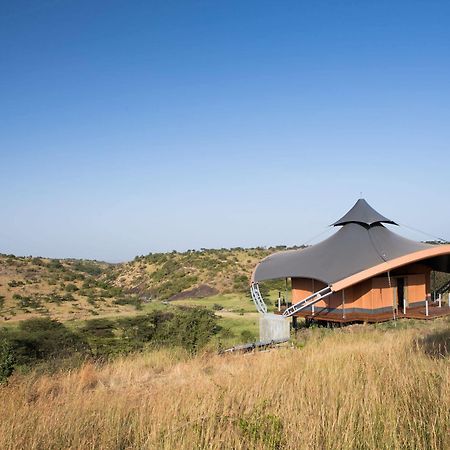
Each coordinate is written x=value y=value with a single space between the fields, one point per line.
x=61 y=288
x=78 y=289
x=170 y=276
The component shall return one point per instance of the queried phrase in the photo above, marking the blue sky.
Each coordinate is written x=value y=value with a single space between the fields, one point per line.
x=129 y=127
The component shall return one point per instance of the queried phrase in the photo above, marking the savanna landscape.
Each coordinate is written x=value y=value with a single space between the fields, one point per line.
x=76 y=291
x=153 y=154
x=97 y=355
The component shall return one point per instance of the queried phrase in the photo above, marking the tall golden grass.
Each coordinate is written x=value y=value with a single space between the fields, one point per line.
x=357 y=388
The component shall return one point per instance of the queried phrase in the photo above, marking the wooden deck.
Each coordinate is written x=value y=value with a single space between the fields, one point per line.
x=417 y=312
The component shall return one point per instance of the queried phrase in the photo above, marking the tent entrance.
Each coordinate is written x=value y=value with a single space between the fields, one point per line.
x=400 y=293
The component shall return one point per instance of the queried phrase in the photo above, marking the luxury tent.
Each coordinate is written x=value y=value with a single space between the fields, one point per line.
x=363 y=272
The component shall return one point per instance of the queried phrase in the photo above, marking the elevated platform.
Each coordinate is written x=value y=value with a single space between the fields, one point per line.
x=340 y=316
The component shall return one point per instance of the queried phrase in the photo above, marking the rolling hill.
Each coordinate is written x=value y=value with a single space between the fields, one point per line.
x=70 y=289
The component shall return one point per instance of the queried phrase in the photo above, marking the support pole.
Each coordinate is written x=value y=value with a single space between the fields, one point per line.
x=343 y=303
x=394 y=305
x=279 y=301
x=434 y=285
x=426 y=307
x=405 y=295
x=285 y=291
x=440 y=301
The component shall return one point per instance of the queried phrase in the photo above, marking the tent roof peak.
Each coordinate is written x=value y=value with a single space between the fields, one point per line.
x=362 y=213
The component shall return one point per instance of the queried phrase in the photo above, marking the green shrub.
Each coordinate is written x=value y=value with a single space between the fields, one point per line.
x=70 y=277
x=99 y=327
x=27 y=301
x=241 y=283
x=142 y=328
x=42 y=338
x=37 y=261
x=58 y=299
x=87 y=267
x=131 y=300
x=111 y=291
x=71 y=287
x=55 y=264
x=7 y=360
x=226 y=333
x=248 y=336
x=192 y=328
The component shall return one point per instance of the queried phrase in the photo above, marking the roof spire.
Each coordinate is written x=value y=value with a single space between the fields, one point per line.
x=363 y=213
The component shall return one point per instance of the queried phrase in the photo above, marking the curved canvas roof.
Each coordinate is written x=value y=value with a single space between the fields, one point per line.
x=362 y=243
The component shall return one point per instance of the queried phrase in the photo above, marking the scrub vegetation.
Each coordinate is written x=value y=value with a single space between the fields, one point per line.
x=194 y=273
x=96 y=355
x=63 y=289
x=48 y=345
x=81 y=295
x=372 y=387
x=71 y=289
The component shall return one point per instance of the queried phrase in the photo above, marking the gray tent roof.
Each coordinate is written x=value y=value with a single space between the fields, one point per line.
x=362 y=212
x=358 y=245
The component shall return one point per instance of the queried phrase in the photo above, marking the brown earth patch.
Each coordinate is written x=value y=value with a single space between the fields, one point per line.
x=198 y=292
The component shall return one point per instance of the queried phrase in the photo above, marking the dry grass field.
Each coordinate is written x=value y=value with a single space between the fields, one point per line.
x=361 y=387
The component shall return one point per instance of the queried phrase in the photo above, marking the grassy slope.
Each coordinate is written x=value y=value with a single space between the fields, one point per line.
x=62 y=287
x=66 y=289
x=370 y=387
x=71 y=290
x=163 y=275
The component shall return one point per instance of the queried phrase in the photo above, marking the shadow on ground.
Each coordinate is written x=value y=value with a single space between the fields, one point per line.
x=436 y=345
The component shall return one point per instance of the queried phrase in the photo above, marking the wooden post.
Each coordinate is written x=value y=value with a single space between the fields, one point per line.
x=343 y=303
x=394 y=298
x=426 y=307
x=405 y=294
x=434 y=285
x=286 y=290
x=440 y=301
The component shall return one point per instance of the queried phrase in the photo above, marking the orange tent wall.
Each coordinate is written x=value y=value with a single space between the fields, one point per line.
x=371 y=294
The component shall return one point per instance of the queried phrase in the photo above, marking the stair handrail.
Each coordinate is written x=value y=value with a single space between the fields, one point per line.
x=308 y=301
x=258 y=298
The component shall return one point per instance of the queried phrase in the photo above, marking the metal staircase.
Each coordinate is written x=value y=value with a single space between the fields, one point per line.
x=258 y=299
x=297 y=307
x=308 y=301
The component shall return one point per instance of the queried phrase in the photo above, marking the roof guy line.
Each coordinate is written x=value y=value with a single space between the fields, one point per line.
x=446 y=241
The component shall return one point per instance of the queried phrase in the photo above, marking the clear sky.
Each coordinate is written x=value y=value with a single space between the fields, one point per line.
x=129 y=127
